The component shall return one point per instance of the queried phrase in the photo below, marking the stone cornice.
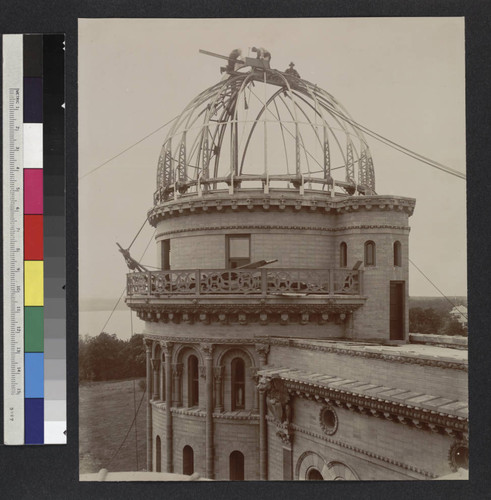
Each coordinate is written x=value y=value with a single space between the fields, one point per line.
x=302 y=313
x=356 y=449
x=286 y=201
x=277 y=227
x=334 y=348
x=398 y=412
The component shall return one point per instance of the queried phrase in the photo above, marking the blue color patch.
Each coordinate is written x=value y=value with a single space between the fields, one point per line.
x=34 y=421
x=34 y=375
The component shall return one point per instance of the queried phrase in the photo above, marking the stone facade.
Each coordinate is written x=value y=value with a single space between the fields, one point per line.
x=289 y=371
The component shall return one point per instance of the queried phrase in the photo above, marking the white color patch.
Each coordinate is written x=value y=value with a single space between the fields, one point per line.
x=33 y=145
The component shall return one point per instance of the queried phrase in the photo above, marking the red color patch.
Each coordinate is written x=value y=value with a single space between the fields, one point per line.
x=33 y=237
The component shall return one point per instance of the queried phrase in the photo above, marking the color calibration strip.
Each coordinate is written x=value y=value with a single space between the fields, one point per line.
x=34 y=240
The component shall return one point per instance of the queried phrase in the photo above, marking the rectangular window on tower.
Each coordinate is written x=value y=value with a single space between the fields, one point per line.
x=238 y=250
x=165 y=254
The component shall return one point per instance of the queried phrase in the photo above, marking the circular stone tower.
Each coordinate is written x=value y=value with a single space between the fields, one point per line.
x=268 y=227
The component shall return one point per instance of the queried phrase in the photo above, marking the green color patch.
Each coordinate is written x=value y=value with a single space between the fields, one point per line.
x=34 y=329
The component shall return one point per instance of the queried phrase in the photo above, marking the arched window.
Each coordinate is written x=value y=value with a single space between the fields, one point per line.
x=158 y=455
x=193 y=381
x=238 y=384
x=187 y=460
x=314 y=475
x=397 y=253
x=236 y=462
x=369 y=253
x=343 y=255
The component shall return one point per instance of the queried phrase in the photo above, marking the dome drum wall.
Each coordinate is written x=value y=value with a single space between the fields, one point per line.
x=297 y=233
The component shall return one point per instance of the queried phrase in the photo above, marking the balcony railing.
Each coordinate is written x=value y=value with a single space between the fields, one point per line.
x=263 y=282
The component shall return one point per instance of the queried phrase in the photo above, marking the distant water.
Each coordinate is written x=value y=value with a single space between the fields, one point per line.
x=92 y=322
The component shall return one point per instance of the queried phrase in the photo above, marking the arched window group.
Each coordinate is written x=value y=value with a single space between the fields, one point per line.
x=370 y=254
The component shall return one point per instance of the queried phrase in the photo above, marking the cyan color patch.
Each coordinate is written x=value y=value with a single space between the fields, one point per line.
x=34 y=374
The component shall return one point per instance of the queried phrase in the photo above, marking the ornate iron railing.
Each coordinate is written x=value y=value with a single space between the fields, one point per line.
x=264 y=282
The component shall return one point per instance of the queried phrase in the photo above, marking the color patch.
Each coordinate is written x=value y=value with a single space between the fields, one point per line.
x=33 y=100
x=33 y=329
x=34 y=421
x=33 y=237
x=33 y=191
x=33 y=283
x=33 y=145
x=34 y=374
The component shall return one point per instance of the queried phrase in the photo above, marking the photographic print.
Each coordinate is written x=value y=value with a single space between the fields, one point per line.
x=272 y=249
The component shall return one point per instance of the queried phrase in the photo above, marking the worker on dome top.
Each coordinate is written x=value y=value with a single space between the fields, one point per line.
x=262 y=53
x=234 y=60
x=292 y=71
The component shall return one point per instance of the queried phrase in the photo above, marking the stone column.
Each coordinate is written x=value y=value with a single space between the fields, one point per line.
x=155 y=385
x=262 y=350
x=218 y=374
x=148 y=352
x=263 y=430
x=167 y=348
x=176 y=375
x=161 y=381
x=207 y=350
x=254 y=377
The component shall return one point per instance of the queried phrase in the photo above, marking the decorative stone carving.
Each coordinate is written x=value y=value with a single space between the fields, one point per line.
x=166 y=347
x=262 y=349
x=176 y=370
x=458 y=455
x=304 y=318
x=202 y=371
x=207 y=349
x=263 y=384
x=283 y=432
x=328 y=420
x=148 y=345
x=277 y=401
x=218 y=372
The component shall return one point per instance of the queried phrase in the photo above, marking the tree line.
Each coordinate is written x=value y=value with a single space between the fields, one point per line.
x=106 y=357
x=434 y=321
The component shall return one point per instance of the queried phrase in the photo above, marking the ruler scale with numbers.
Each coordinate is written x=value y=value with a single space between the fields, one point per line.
x=34 y=339
x=13 y=251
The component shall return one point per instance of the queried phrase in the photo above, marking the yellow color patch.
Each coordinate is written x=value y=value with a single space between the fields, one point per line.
x=33 y=283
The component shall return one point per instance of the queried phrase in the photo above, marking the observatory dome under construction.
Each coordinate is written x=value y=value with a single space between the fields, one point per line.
x=260 y=126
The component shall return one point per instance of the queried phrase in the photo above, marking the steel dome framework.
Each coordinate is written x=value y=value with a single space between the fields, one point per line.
x=260 y=125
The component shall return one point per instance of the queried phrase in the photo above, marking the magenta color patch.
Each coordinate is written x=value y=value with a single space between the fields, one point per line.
x=33 y=191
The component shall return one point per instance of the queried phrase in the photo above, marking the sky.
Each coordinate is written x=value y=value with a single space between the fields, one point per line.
x=403 y=78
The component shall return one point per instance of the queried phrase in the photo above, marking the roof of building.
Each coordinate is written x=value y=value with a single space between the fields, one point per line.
x=416 y=400
x=411 y=351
